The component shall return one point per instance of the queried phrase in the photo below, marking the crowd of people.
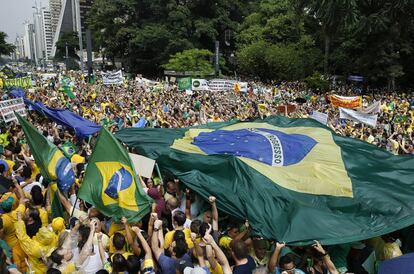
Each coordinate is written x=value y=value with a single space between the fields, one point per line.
x=183 y=233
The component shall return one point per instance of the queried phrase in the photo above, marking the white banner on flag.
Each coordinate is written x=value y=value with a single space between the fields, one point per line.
x=143 y=165
x=320 y=117
x=8 y=107
x=374 y=108
x=368 y=119
x=112 y=78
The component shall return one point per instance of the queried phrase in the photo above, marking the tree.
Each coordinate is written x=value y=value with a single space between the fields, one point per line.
x=195 y=60
x=143 y=34
x=332 y=16
x=273 y=44
x=69 y=39
x=5 y=48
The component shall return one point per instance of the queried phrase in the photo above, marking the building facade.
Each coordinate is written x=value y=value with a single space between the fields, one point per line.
x=29 y=41
x=47 y=33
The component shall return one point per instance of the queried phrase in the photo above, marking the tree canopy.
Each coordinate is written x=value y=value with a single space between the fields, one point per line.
x=5 y=48
x=265 y=39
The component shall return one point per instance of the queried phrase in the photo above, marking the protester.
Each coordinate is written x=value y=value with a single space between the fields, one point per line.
x=184 y=233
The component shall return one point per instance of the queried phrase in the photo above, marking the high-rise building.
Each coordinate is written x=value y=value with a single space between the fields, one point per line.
x=19 y=50
x=39 y=40
x=72 y=18
x=55 y=7
x=47 y=33
x=29 y=41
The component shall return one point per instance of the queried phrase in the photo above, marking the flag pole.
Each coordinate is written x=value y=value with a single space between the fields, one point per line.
x=159 y=173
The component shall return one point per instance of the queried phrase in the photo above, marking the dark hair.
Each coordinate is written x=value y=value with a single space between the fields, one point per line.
x=133 y=264
x=180 y=218
x=2 y=168
x=32 y=229
x=102 y=271
x=239 y=249
x=84 y=233
x=203 y=229
x=27 y=172
x=195 y=226
x=53 y=271
x=94 y=213
x=118 y=263
x=180 y=248
x=287 y=259
x=55 y=257
x=118 y=240
x=178 y=235
x=37 y=196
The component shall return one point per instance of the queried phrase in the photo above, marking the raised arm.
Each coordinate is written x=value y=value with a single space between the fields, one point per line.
x=156 y=246
x=63 y=200
x=86 y=249
x=326 y=258
x=130 y=240
x=275 y=257
x=19 y=192
x=145 y=245
x=214 y=212
x=208 y=239
x=244 y=233
x=198 y=250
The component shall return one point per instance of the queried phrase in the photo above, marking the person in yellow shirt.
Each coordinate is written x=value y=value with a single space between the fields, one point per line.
x=37 y=201
x=179 y=219
x=9 y=216
x=391 y=248
x=38 y=248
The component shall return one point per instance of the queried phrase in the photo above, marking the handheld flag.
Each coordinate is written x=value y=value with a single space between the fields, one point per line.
x=110 y=183
x=68 y=149
x=293 y=179
x=54 y=166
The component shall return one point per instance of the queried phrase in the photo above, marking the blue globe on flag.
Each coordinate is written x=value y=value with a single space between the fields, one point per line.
x=120 y=180
x=271 y=147
x=64 y=174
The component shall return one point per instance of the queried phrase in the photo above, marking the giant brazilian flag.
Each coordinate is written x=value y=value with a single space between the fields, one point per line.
x=110 y=183
x=294 y=180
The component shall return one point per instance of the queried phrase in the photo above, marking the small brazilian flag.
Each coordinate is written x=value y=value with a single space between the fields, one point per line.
x=294 y=179
x=184 y=83
x=53 y=165
x=110 y=183
x=68 y=149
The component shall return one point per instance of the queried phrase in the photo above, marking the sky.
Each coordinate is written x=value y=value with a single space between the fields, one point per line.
x=13 y=13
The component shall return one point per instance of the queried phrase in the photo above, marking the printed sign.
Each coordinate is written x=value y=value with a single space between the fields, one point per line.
x=8 y=107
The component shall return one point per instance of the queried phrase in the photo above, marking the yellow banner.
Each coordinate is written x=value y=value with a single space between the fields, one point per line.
x=346 y=102
x=23 y=82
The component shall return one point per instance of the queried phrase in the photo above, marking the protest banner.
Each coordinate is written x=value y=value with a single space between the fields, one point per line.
x=23 y=82
x=320 y=117
x=221 y=85
x=8 y=107
x=349 y=114
x=346 y=102
x=286 y=109
x=374 y=108
x=199 y=85
x=112 y=78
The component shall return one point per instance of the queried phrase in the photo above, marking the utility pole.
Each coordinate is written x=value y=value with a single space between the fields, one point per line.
x=66 y=57
x=216 y=67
